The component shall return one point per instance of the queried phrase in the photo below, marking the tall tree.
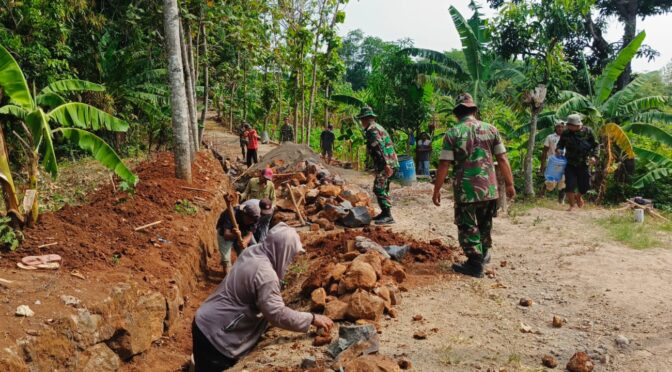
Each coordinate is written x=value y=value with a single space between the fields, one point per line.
x=178 y=96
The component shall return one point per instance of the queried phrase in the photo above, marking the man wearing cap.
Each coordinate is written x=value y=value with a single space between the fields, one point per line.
x=381 y=151
x=580 y=147
x=260 y=187
x=287 y=132
x=247 y=217
x=550 y=146
x=252 y=144
x=471 y=147
x=327 y=139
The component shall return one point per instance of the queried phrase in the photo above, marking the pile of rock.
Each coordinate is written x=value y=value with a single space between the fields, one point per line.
x=361 y=287
x=308 y=193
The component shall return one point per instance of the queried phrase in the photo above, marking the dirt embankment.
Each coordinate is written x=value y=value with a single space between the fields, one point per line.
x=131 y=286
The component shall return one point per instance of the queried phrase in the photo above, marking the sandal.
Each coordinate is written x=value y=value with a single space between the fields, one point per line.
x=40 y=260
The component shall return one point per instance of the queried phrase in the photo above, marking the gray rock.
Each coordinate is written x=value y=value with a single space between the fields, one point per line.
x=309 y=362
x=397 y=252
x=622 y=341
x=70 y=300
x=24 y=310
x=357 y=217
x=350 y=335
x=365 y=244
x=99 y=358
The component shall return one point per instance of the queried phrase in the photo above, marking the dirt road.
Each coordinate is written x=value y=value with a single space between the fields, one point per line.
x=563 y=262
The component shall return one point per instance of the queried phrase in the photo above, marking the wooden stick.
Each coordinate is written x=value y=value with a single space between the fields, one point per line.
x=5 y=281
x=195 y=189
x=232 y=217
x=47 y=245
x=298 y=211
x=114 y=187
x=148 y=225
x=241 y=175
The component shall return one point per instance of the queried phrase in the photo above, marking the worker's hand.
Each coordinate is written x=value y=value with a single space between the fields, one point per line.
x=436 y=198
x=510 y=192
x=388 y=171
x=321 y=321
x=236 y=231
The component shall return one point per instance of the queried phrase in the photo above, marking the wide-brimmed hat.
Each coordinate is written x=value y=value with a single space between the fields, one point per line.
x=574 y=119
x=466 y=100
x=366 y=112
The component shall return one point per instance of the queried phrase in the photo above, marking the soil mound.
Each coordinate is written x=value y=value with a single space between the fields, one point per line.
x=101 y=233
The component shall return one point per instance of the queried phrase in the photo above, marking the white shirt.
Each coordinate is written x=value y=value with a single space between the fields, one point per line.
x=551 y=142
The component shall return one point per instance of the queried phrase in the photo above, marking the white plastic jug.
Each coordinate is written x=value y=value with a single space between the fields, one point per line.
x=639 y=215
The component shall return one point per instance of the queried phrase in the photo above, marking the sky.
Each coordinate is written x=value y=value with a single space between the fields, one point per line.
x=428 y=24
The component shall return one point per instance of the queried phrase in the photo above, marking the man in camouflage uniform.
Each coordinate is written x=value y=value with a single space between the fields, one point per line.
x=381 y=151
x=471 y=146
x=287 y=132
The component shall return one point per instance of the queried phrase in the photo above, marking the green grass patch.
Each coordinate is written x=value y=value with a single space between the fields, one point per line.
x=185 y=207
x=635 y=235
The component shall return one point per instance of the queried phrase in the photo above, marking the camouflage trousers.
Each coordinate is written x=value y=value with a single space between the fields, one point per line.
x=474 y=225
x=381 y=189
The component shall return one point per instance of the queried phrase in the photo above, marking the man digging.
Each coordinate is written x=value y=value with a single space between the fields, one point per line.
x=470 y=147
x=381 y=151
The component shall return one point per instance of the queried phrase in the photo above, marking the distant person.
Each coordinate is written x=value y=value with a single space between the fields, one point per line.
x=287 y=132
x=380 y=148
x=423 y=153
x=233 y=319
x=260 y=187
x=550 y=146
x=247 y=217
x=252 y=144
x=243 y=139
x=471 y=147
x=327 y=139
x=580 y=148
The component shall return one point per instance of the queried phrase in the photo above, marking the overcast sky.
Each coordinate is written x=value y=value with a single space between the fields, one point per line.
x=428 y=24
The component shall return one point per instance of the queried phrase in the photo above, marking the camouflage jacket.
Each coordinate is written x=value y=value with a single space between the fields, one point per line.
x=471 y=146
x=578 y=145
x=286 y=133
x=380 y=147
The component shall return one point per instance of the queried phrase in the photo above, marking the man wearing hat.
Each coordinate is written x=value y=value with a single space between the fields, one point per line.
x=580 y=147
x=550 y=146
x=471 y=147
x=247 y=217
x=381 y=151
x=260 y=187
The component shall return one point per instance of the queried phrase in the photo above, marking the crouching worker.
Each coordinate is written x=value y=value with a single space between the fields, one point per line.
x=233 y=319
x=247 y=217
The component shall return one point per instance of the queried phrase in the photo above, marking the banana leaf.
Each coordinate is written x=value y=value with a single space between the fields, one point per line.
x=650 y=131
x=81 y=115
x=619 y=138
x=16 y=111
x=38 y=124
x=49 y=100
x=12 y=81
x=72 y=85
x=100 y=150
x=605 y=83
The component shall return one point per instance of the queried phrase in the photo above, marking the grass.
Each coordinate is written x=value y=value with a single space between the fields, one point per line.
x=635 y=235
x=185 y=207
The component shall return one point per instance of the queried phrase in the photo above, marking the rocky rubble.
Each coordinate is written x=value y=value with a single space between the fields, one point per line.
x=364 y=286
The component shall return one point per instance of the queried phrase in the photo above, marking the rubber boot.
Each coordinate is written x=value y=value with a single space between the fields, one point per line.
x=487 y=257
x=472 y=267
x=385 y=217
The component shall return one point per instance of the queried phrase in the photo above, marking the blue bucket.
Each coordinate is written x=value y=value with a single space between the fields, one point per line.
x=555 y=168
x=406 y=173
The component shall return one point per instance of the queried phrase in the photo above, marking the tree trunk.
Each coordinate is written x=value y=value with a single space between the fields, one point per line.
x=326 y=106
x=296 y=107
x=206 y=79
x=303 y=106
x=313 y=88
x=178 y=97
x=245 y=90
x=628 y=15
x=193 y=125
x=535 y=99
x=8 y=189
x=503 y=201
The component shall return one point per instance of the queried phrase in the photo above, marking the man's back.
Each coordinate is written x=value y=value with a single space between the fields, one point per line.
x=471 y=146
x=327 y=139
x=379 y=143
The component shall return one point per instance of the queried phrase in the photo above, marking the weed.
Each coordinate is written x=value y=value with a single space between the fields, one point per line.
x=185 y=207
x=632 y=234
x=514 y=359
x=537 y=221
x=446 y=266
x=127 y=188
x=116 y=258
x=449 y=357
x=9 y=238
x=298 y=268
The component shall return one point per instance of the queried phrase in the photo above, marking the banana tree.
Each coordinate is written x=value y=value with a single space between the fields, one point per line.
x=49 y=108
x=616 y=116
x=443 y=71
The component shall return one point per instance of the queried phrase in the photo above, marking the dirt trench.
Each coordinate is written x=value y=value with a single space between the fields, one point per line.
x=120 y=295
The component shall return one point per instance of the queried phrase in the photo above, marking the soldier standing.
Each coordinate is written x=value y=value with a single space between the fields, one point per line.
x=287 y=132
x=471 y=147
x=381 y=151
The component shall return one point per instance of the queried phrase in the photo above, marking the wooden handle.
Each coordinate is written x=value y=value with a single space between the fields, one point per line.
x=232 y=216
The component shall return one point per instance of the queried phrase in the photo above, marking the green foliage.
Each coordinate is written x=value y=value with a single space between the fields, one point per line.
x=185 y=207
x=9 y=238
x=635 y=235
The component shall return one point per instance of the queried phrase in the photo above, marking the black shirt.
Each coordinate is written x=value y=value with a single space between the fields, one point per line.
x=578 y=145
x=327 y=139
